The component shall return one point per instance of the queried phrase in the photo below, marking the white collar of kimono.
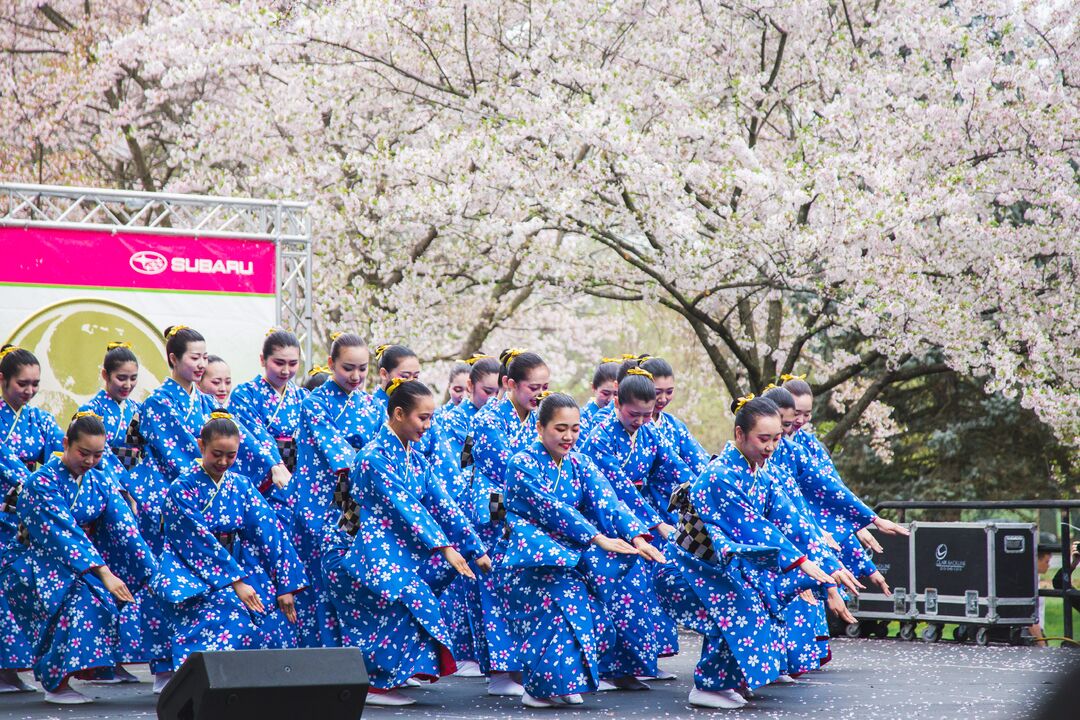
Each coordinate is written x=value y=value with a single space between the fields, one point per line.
x=750 y=467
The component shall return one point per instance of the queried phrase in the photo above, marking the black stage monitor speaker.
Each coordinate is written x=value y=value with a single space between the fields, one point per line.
x=323 y=683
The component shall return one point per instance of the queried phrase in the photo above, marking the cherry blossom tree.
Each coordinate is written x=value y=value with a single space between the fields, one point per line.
x=871 y=192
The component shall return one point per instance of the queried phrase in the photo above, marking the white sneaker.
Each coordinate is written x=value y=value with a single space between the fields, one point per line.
x=574 y=699
x=784 y=679
x=391 y=697
x=67 y=696
x=469 y=669
x=503 y=684
x=529 y=701
x=717 y=699
x=161 y=680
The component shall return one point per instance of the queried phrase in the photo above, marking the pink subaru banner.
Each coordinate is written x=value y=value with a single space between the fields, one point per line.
x=91 y=258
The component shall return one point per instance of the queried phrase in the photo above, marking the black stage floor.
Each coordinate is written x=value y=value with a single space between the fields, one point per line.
x=867 y=679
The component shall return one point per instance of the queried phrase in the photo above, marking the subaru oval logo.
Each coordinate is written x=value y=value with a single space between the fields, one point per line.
x=942 y=551
x=148 y=262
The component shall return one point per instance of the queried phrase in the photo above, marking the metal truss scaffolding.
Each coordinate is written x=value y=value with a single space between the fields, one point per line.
x=287 y=224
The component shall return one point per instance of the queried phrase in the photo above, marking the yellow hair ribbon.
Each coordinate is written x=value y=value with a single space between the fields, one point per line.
x=319 y=369
x=628 y=356
x=604 y=361
x=784 y=378
x=743 y=400
x=117 y=344
x=335 y=335
x=644 y=359
x=8 y=350
x=639 y=371
x=221 y=415
x=175 y=329
x=394 y=385
x=770 y=386
x=543 y=395
x=85 y=413
x=271 y=331
x=380 y=350
x=514 y=352
x=475 y=358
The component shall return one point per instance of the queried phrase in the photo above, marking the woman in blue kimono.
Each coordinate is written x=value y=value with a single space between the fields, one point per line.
x=672 y=428
x=722 y=583
x=840 y=511
x=395 y=362
x=169 y=424
x=272 y=402
x=763 y=487
x=604 y=383
x=83 y=558
x=499 y=430
x=634 y=458
x=28 y=437
x=565 y=526
x=397 y=542
x=456 y=385
x=120 y=415
x=460 y=602
x=226 y=562
x=336 y=421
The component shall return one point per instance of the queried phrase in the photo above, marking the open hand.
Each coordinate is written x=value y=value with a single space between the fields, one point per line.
x=248 y=596
x=287 y=604
x=615 y=545
x=458 y=562
x=647 y=551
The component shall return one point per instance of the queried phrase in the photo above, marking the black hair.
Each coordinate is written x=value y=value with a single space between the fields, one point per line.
x=313 y=381
x=220 y=424
x=551 y=403
x=339 y=341
x=390 y=356
x=14 y=359
x=798 y=387
x=405 y=396
x=605 y=372
x=116 y=354
x=482 y=368
x=659 y=367
x=636 y=387
x=517 y=366
x=177 y=339
x=783 y=399
x=84 y=424
x=211 y=359
x=459 y=368
x=747 y=415
x=277 y=339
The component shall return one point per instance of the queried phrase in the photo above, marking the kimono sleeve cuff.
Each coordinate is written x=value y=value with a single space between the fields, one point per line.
x=795 y=564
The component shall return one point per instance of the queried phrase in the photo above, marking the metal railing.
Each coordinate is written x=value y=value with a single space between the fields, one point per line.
x=1065 y=507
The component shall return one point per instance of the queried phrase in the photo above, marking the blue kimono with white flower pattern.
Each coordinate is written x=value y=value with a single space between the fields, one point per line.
x=641 y=468
x=840 y=510
x=588 y=415
x=257 y=404
x=384 y=581
x=117 y=418
x=27 y=437
x=549 y=572
x=215 y=534
x=497 y=434
x=728 y=600
x=800 y=628
x=334 y=425
x=683 y=441
x=170 y=423
x=75 y=524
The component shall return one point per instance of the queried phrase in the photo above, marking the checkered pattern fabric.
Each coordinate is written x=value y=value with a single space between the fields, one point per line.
x=497 y=508
x=350 y=511
x=287 y=448
x=690 y=533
